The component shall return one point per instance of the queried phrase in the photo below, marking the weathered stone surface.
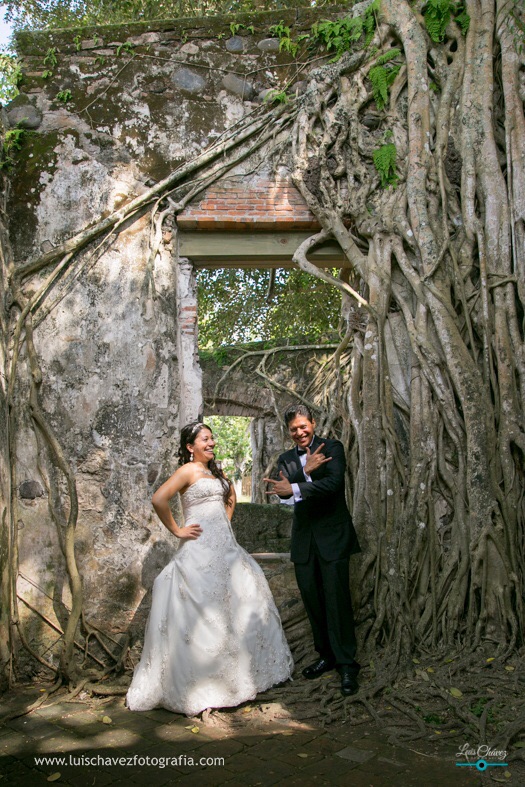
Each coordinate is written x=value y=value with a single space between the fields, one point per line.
x=235 y=44
x=29 y=490
x=298 y=88
x=23 y=113
x=269 y=45
x=263 y=528
x=153 y=471
x=189 y=49
x=238 y=86
x=119 y=355
x=188 y=81
x=156 y=86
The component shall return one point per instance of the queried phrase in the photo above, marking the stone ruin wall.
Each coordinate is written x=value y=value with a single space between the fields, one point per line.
x=119 y=355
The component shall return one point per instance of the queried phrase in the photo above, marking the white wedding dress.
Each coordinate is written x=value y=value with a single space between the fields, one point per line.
x=214 y=637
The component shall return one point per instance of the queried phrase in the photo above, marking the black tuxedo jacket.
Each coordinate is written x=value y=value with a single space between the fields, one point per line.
x=322 y=514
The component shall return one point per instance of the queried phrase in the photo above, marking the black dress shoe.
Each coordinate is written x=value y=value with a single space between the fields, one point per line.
x=319 y=668
x=349 y=684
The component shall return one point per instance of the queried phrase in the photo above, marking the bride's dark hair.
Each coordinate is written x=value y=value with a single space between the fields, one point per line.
x=188 y=434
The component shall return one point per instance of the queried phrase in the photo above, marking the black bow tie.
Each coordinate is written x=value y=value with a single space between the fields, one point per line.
x=301 y=451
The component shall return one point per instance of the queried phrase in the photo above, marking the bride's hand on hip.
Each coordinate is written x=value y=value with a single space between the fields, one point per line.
x=189 y=532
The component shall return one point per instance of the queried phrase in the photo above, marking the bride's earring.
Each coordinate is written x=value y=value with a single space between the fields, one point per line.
x=191 y=456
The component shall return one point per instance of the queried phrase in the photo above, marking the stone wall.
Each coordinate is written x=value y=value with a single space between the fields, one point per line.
x=111 y=111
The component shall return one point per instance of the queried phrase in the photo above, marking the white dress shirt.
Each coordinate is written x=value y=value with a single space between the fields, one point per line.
x=297 y=497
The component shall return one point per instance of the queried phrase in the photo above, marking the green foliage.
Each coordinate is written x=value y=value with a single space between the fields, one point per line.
x=10 y=77
x=462 y=18
x=78 y=43
x=385 y=163
x=234 y=307
x=437 y=15
x=46 y=74
x=433 y=718
x=233 y=448
x=49 y=14
x=236 y=26
x=282 y=32
x=382 y=76
x=342 y=35
x=517 y=28
x=51 y=57
x=478 y=707
x=64 y=96
x=276 y=97
x=12 y=142
x=125 y=47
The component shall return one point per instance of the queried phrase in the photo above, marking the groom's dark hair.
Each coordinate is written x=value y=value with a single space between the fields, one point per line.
x=297 y=409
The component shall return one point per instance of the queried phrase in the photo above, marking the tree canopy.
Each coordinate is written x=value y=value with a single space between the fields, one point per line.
x=40 y=14
x=243 y=305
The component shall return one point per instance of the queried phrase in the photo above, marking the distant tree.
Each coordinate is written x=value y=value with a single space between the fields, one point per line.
x=38 y=14
x=233 y=449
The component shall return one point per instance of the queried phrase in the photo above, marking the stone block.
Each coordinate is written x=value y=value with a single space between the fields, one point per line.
x=269 y=45
x=235 y=44
x=238 y=86
x=188 y=81
x=29 y=490
x=22 y=113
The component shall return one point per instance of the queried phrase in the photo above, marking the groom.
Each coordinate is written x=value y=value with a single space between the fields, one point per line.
x=323 y=538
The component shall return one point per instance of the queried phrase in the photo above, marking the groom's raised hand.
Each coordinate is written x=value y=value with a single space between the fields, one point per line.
x=315 y=459
x=282 y=487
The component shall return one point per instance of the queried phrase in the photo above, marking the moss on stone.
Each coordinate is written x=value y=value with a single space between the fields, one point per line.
x=34 y=42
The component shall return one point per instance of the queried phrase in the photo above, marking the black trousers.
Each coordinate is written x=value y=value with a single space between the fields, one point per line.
x=324 y=587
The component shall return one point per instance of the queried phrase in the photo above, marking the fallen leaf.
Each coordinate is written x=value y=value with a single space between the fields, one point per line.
x=509 y=668
x=416 y=661
x=430 y=669
x=106 y=720
x=456 y=692
x=304 y=756
x=438 y=732
x=287 y=732
x=247 y=710
x=195 y=730
x=492 y=658
x=54 y=777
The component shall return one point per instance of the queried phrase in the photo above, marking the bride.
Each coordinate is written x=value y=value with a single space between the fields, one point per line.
x=214 y=637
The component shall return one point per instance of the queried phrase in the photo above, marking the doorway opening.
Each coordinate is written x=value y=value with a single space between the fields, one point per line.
x=233 y=451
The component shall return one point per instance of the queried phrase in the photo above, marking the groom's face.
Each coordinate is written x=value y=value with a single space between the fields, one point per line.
x=301 y=431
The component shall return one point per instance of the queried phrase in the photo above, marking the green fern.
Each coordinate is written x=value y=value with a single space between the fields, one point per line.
x=341 y=35
x=385 y=163
x=438 y=14
x=387 y=56
x=382 y=76
x=12 y=142
x=286 y=44
x=462 y=18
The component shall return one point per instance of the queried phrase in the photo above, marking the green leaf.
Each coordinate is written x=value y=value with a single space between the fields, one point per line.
x=385 y=163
